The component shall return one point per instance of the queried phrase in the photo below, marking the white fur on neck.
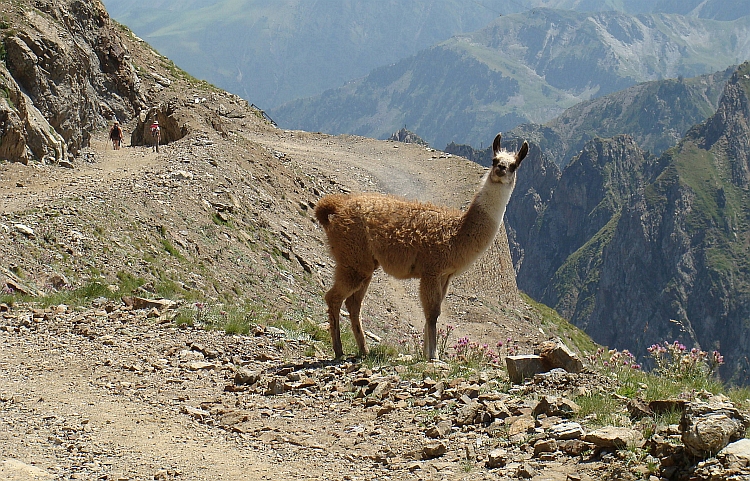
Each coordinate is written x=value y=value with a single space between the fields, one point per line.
x=493 y=197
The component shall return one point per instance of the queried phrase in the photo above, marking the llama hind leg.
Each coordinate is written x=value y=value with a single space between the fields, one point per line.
x=432 y=291
x=354 y=306
x=346 y=283
x=334 y=299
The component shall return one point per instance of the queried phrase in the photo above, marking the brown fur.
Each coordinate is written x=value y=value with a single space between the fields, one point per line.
x=409 y=239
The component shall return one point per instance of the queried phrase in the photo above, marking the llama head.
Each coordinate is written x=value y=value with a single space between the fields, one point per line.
x=504 y=163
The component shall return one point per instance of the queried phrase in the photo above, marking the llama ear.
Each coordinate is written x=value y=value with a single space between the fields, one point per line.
x=522 y=153
x=496 y=145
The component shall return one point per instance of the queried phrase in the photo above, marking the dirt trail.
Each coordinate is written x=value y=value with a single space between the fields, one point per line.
x=23 y=186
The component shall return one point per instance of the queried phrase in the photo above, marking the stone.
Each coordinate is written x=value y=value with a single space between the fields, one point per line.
x=467 y=413
x=381 y=389
x=739 y=449
x=275 y=387
x=525 y=471
x=197 y=413
x=201 y=365
x=386 y=408
x=555 y=354
x=159 y=304
x=615 y=437
x=567 y=430
x=638 y=409
x=24 y=229
x=521 y=425
x=497 y=458
x=544 y=446
x=523 y=367
x=434 y=450
x=498 y=410
x=556 y=406
x=708 y=427
x=661 y=406
x=574 y=447
x=439 y=430
x=13 y=469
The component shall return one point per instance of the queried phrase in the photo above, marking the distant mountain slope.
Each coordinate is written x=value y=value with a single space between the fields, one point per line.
x=637 y=249
x=273 y=51
x=522 y=68
x=655 y=114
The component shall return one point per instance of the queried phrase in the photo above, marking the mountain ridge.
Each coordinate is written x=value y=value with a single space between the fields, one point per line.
x=522 y=68
x=636 y=249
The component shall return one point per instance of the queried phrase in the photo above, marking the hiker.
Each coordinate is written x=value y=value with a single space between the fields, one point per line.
x=156 y=134
x=115 y=135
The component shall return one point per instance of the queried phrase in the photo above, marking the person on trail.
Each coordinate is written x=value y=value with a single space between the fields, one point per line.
x=156 y=134
x=115 y=135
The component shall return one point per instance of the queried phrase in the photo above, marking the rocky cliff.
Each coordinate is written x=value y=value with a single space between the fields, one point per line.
x=638 y=250
x=65 y=73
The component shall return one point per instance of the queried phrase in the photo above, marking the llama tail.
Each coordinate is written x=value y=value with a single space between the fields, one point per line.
x=325 y=208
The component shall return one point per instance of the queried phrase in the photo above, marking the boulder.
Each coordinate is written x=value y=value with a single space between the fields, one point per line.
x=555 y=354
x=615 y=437
x=556 y=406
x=707 y=428
x=523 y=367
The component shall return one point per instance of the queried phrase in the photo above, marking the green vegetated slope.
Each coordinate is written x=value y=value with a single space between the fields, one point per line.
x=637 y=249
x=656 y=114
x=526 y=67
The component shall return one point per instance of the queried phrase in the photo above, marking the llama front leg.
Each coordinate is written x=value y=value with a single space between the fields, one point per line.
x=354 y=306
x=432 y=291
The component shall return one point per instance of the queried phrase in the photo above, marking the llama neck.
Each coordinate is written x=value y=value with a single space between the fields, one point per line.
x=480 y=222
x=490 y=202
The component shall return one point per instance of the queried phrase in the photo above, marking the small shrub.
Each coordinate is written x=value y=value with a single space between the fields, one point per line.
x=171 y=250
x=474 y=353
x=674 y=361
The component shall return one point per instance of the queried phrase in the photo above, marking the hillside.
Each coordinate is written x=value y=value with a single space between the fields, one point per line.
x=526 y=67
x=655 y=114
x=271 y=52
x=635 y=249
x=161 y=313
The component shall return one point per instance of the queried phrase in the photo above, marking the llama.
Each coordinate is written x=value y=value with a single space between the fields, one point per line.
x=410 y=239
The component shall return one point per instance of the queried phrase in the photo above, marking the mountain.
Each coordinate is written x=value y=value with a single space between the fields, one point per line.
x=522 y=68
x=274 y=51
x=655 y=114
x=637 y=249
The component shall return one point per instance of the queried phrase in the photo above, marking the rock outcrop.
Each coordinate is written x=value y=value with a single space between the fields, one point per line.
x=66 y=73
